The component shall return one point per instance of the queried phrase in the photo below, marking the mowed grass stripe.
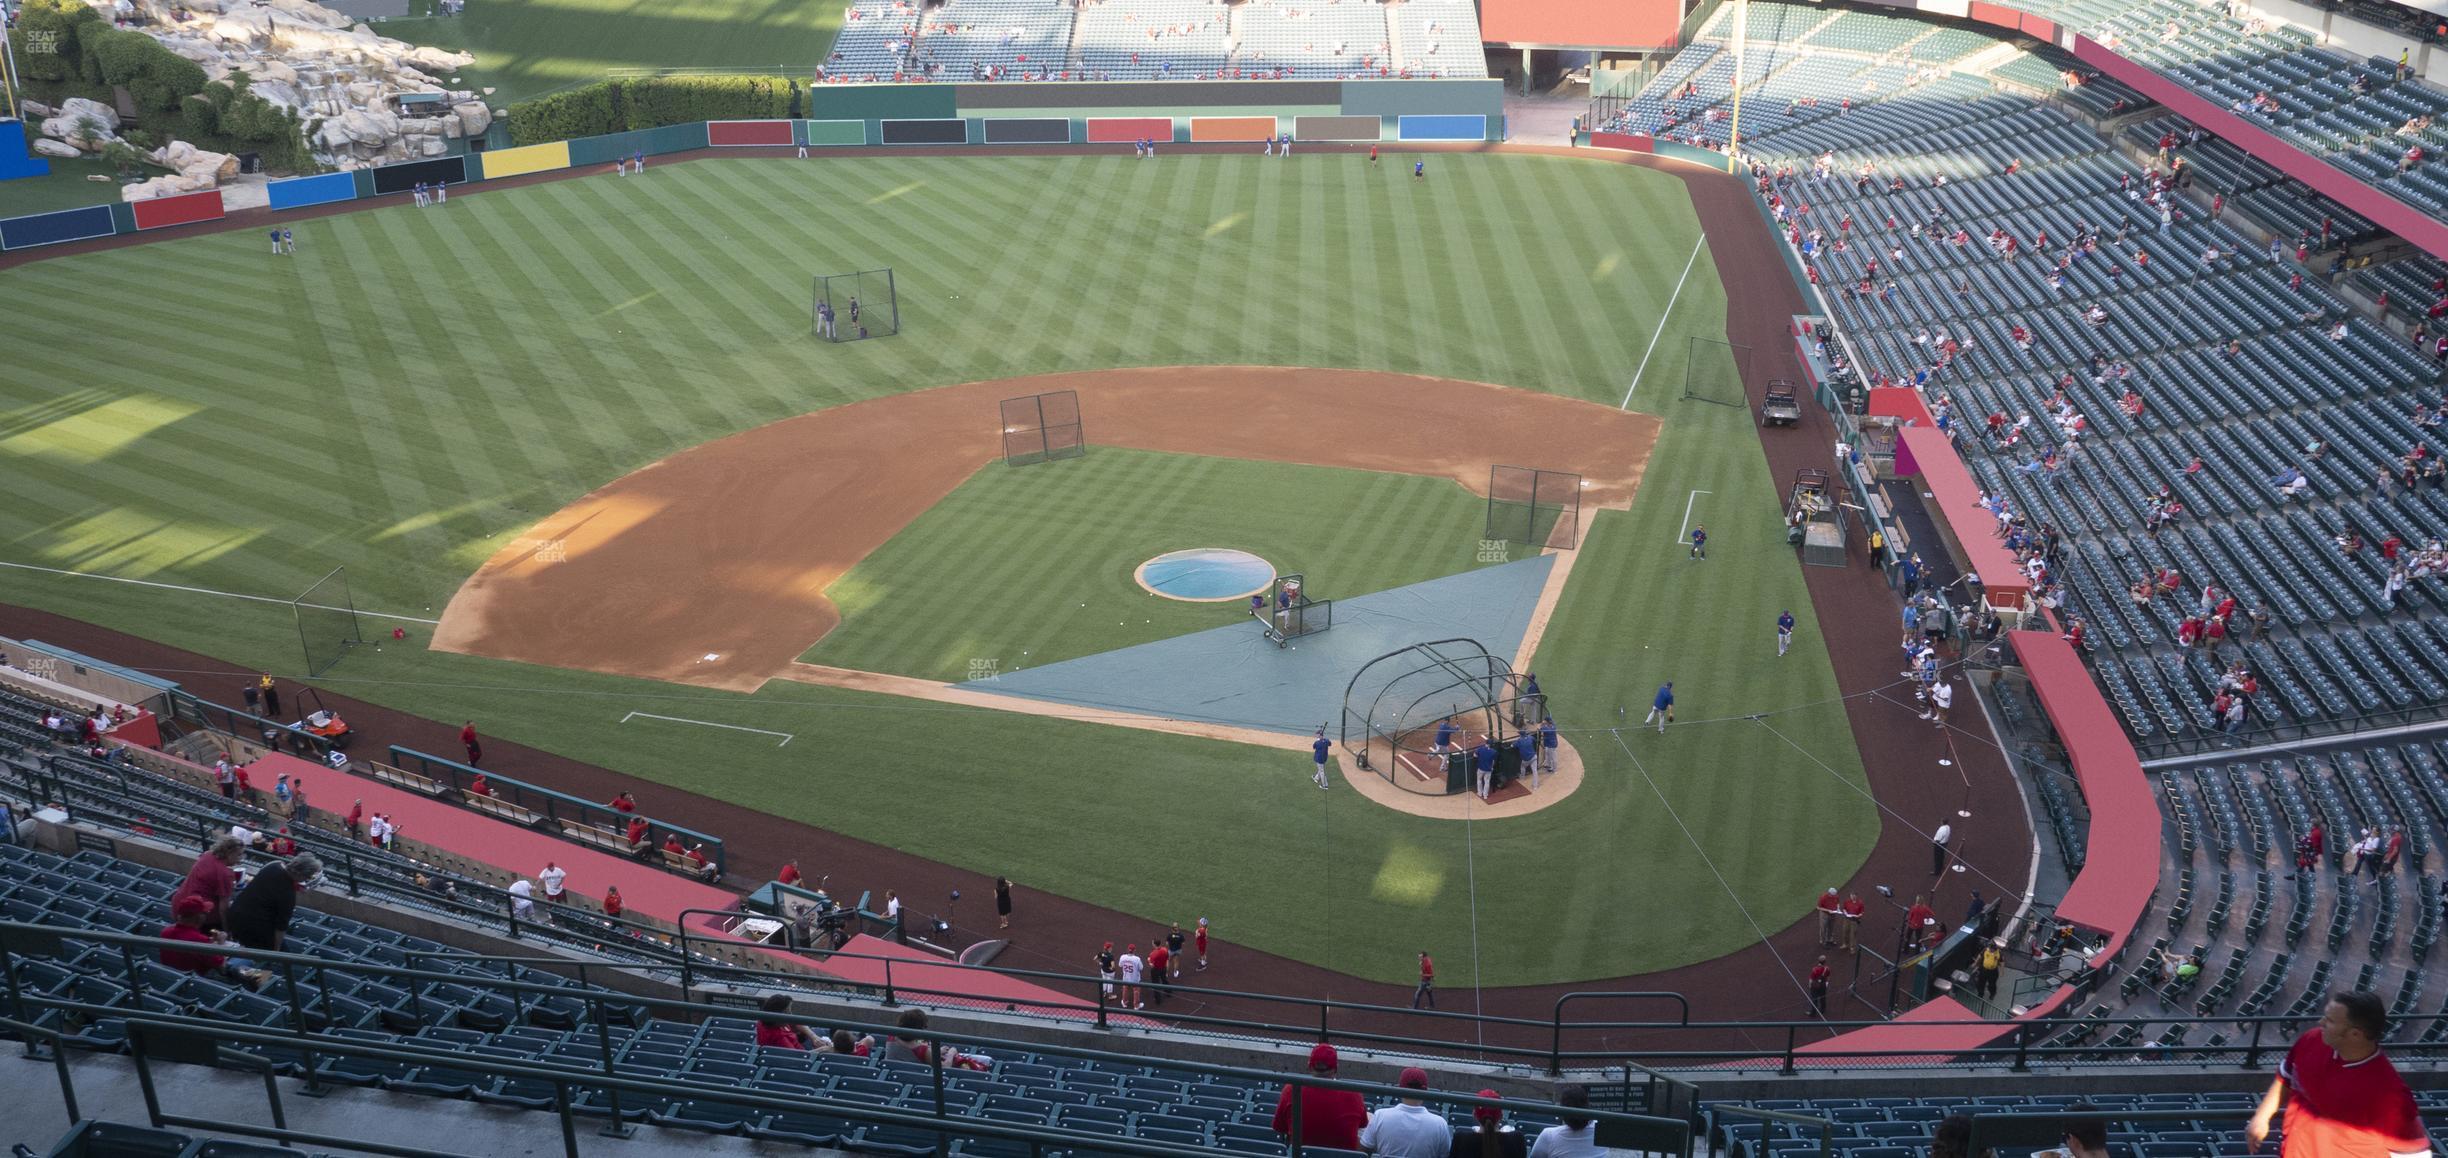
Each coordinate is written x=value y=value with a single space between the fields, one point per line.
x=1042 y=556
x=405 y=359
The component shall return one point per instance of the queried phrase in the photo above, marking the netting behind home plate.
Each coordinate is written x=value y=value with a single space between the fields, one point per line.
x=1394 y=704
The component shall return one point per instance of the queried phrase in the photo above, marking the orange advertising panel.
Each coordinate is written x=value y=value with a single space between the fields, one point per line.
x=1232 y=128
x=1581 y=23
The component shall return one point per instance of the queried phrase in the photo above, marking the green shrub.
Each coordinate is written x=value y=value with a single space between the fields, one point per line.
x=587 y=111
x=615 y=106
x=47 y=36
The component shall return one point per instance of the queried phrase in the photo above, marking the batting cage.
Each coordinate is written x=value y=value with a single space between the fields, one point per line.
x=1415 y=717
x=1716 y=370
x=851 y=306
x=326 y=622
x=1042 y=427
x=1540 y=508
x=1288 y=612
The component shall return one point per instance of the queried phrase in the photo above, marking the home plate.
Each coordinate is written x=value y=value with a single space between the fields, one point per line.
x=711 y=656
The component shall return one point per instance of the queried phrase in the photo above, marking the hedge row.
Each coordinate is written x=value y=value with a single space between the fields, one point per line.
x=647 y=102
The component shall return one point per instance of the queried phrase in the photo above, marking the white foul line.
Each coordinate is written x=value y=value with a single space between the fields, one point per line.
x=210 y=591
x=1661 y=326
x=1687 y=509
x=786 y=736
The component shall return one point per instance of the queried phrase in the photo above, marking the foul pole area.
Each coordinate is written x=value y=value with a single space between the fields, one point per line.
x=1742 y=30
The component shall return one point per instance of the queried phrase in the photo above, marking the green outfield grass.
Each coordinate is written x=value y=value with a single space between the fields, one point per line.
x=65 y=187
x=415 y=387
x=527 y=47
x=1025 y=566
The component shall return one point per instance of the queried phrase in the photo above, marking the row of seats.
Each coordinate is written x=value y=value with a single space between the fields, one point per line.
x=1118 y=40
x=2169 y=314
x=472 y=1016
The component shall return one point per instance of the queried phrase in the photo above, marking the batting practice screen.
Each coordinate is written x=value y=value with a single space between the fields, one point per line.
x=850 y=306
x=1042 y=427
x=327 y=621
x=1541 y=508
x=1715 y=370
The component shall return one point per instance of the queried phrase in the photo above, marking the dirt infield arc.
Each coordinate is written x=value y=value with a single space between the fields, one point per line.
x=710 y=566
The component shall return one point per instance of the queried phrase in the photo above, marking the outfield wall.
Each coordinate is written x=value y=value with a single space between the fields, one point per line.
x=1000 y=116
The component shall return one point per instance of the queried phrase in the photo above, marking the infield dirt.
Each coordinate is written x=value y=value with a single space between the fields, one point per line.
x=709 y=567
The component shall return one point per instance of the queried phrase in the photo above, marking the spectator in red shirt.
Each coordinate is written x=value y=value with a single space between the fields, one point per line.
x=1200 y=938
x=1819 y=986
x=612 y=901
x=1426 y=993
x=2343 y=1098
x=212 y=879
x=672 y=845
x=624 y=804
x=1920 y=921
x=1829 y=906
x=478 y=787
x=467 y=739
x=187 y=924
x=774 y=1033
x=1159 y=962
x=790 y=873
x=637 y=831
x=697 y=861
x=1851 y=925
x=356 y=820
x=1327 y=1117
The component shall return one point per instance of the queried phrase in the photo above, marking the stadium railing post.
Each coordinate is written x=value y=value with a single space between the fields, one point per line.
x=889 y=1000
x=2022 y=1058
x=2252 y=1053
x=569 y=1120
x=615 y=1126
x=1786 y=1066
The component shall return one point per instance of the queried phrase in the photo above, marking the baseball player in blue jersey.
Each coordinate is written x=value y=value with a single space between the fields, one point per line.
x=1785 y=623
x=1319 y=750
x=1526 y=746
x=1661 y=709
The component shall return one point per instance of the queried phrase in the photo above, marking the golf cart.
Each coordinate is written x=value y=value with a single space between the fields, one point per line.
x=1778 y=407
x=321 y=722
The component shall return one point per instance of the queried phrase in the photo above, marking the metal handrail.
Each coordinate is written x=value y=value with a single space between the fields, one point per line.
x=355 y=871
x=185 y=1035
x=556 y=806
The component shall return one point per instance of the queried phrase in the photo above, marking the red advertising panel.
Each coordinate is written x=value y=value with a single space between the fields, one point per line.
x=749 y=133
x=1117 y=130
x=1636 y=142
x=184 y=209
x=1997 y=14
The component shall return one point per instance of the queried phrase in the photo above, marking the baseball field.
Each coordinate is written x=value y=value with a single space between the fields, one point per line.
x=424 y=396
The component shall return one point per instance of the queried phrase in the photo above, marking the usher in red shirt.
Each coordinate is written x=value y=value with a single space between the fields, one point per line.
x=2341 y=1109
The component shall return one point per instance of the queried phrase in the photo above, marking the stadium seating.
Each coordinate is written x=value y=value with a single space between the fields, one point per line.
x=2335 y=658
x=1126 y=40
x=1307 y=40
x=875 y=41
x=967 y=40
x=471 y=1015
x=1156 y=40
